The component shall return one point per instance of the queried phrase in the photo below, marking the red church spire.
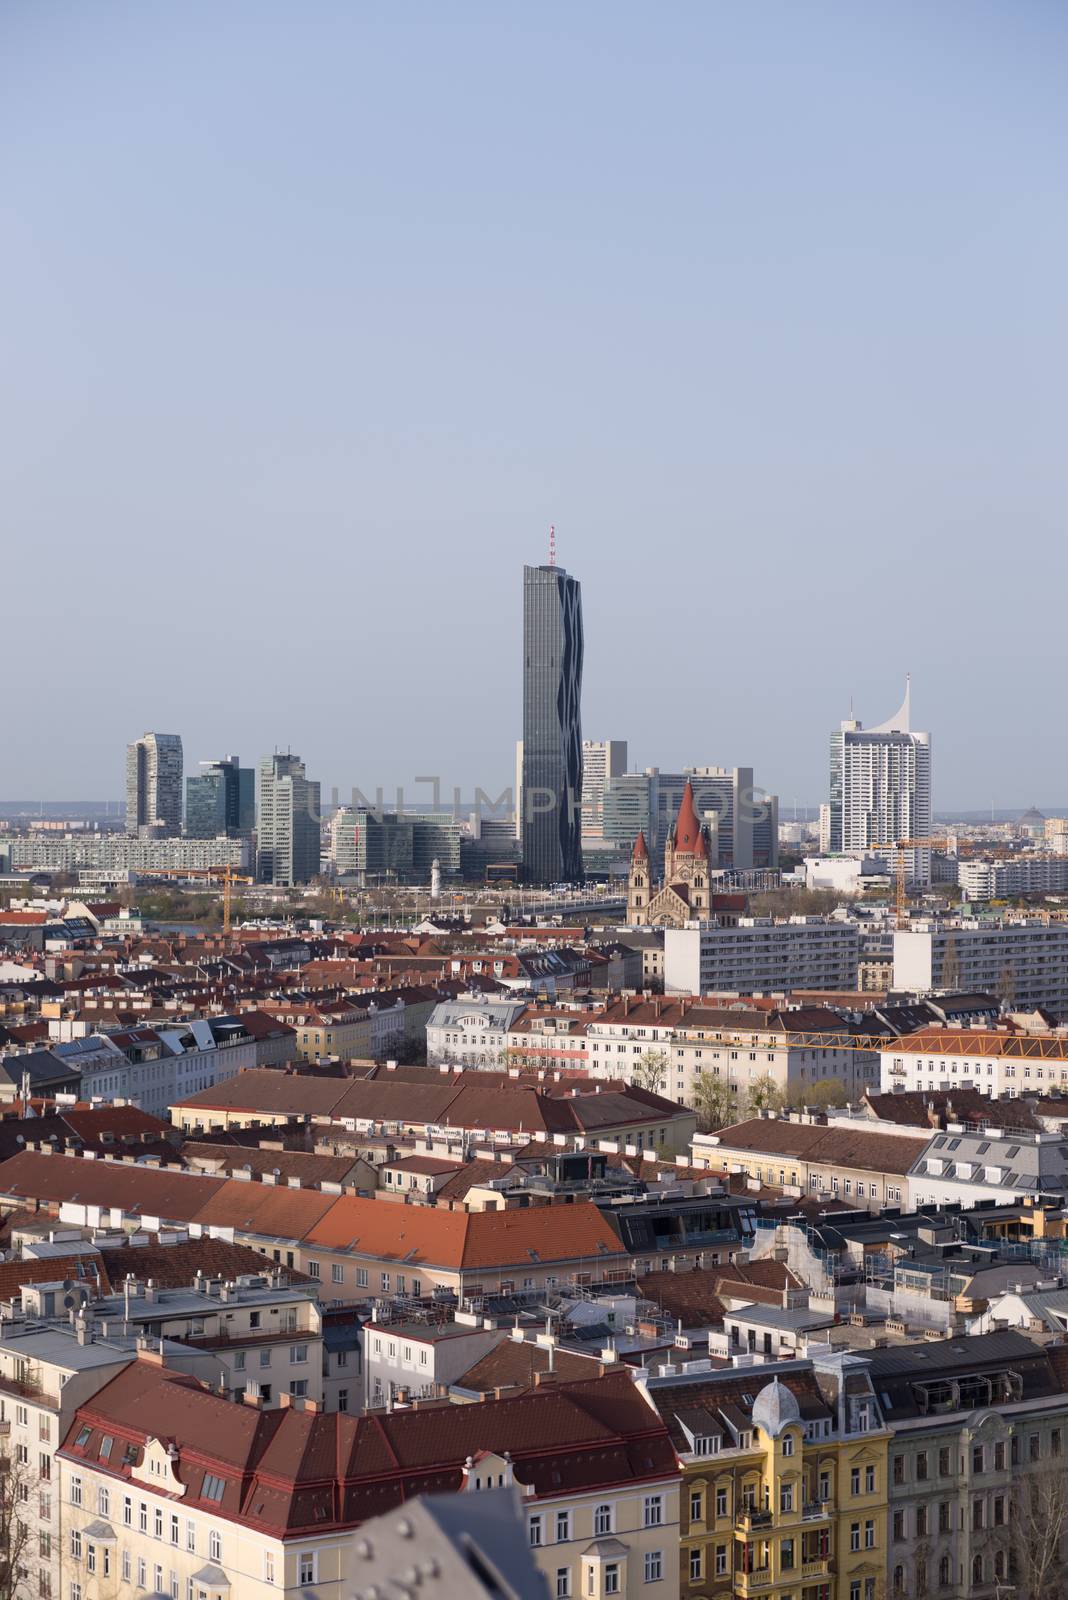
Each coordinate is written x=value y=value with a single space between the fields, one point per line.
x=688 y=837
x=640 y=851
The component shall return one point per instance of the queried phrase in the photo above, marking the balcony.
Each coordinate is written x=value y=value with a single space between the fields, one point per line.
x=755 y=1582
x=818 y=1567
x=749 y=1519
x=816 y=1511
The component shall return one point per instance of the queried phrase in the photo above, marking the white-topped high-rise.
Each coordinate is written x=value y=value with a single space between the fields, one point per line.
x=881 y=789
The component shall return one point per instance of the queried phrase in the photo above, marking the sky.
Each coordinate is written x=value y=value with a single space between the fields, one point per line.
x=318 y=313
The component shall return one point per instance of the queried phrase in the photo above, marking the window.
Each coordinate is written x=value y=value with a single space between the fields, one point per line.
x=268 y=1566
x=654 y=1510
x=697 y=1506
x=213 y=1488
x=978 y=1455
x=175 y=1586
x=385 y=1283
x=90 y=1557
x=127 y=1511
x=142 y=1573
x=75 y=1591
x=899 y=1525
x=361 y=1277
x=75 y=1544
x=945 y=1567
x=239 y=1361
x=75 y=1491
x=786 y=1497
x=83 y=1433
x=309 y=1564
x=298 y=1353
x=721 y=1502
x=1055 y=1442
x=869 y=1535
x=602 y=1521
x=922 y=1522
x=314 y=1270
x=563 y=1526
x=695 y=1566
x=265 y=1358
x=787 y=1444
x=142 y=1518
x=159 y=1523
x=1034 y=1447
x=126 y=1566
x=343 y=1399
x=869 y=1480
x=534 y=1530
x=175 y=1535
x=854 y=1536
x=944 y=1510
x=721 y=1560
x=337 y=1272
x=611 y=1577
x=654 y=1566
x=899 y=1469
x=921 y=1466
x=563 y=1583
x=299 y=1388
x=944 y=1462
x=854 y=1481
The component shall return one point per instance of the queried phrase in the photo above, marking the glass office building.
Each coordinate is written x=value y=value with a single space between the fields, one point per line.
x=221 y=799
x=551 y=822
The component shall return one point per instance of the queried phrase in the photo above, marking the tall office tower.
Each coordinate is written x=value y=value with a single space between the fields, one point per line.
x=154 y=784
x=287 y=821
x=602 y=760
x=552 y=730
x=741 y=820
x=881 y=790
x=220 y=799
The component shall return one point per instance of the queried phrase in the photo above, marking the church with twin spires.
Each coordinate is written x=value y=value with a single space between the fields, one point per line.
x=686 y=891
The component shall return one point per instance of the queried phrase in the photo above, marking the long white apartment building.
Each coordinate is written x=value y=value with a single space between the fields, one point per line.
x=690 y=1038
x=988 y=1060
x=995 y=880
x=123 y=853
x=758 y=955
x=1025 y=963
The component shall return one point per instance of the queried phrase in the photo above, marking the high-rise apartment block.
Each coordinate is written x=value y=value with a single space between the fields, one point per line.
x=881 y=790
x=552 y=731
x=154 y=784
x=287 y=821
x=220 y=799
x=602 y=760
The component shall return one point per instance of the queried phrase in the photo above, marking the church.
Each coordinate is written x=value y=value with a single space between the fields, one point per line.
x=686 y=892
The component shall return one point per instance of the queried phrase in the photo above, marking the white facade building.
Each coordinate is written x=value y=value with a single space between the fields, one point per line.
x=1025 y=963
x=881 y=789
x=990 y=880
x=759 y=955
x=997 y=1064
x=470 y=1031
x=602 y=759
x=117 y=855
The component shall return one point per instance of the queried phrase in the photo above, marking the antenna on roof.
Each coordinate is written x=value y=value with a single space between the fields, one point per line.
x=552 y=544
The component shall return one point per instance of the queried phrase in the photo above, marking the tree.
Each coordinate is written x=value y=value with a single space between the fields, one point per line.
x=16 y=1526
x=1039 y=1529
x=825 y=1093
x=650 y=1072
x=713 y=1102
x=1006 y=984
x=764 y=1094
x=950 y=965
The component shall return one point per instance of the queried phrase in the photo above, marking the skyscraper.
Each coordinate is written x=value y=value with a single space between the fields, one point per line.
x=287 y=821
x=552 y=729
x=154 y=784
x=220 y=799
x=881 y=789
x=602 y=759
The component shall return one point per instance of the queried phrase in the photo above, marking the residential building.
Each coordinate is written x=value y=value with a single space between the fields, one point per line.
x=471 y=1031
x=154 y=784
x=1024 y=963
x=963 y=1166
x=410 y=1353
x=865 y=1169
x=177 y=1490
x=785 y=1478
x=1020 y=875
x=880 y=790
x=221 y=799
x=973 y=1421
x=994 y=1062
x=691 y=1038
x=287 y=821
x=552 y=732
x=602 y=760
x=46 y=1372
x=121 y=856
x=758 y=955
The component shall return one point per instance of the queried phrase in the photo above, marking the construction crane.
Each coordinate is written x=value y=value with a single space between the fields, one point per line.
x=224 y=875
x=901 y=903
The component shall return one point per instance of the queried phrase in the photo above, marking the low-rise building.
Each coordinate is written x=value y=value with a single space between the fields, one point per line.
x=845 y=1162
x=997 y=1062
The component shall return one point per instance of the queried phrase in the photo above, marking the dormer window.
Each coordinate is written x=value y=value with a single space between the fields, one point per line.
x=787 y=1444
x=706 y=1444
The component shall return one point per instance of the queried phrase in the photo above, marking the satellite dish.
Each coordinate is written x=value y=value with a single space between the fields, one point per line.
x=68 y=1284
x=70 y=1301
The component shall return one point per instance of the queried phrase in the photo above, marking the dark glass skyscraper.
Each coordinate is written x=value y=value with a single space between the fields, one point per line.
x=220 y=799
x=551 y=822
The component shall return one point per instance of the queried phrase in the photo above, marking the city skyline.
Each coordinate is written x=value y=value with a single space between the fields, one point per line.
x=725 y=317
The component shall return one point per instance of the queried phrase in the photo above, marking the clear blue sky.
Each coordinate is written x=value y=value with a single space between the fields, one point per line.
x=317 y=314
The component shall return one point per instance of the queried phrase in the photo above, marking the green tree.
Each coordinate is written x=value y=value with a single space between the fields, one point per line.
x=713 y=1102
x=824 y=1094
x=16 y=1529
x=764 y=1094
x=650 y=1072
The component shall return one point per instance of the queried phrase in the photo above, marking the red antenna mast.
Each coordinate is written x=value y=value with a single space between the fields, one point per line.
x=552 y=545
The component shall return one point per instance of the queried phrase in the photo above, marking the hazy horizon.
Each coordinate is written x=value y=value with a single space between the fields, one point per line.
x=323 y=315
